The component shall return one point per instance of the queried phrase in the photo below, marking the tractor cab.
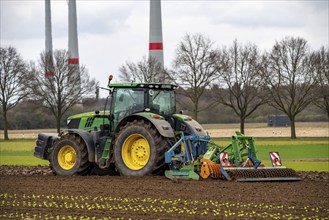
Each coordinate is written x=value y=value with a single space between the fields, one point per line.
x=132 y=98
x=128 y=99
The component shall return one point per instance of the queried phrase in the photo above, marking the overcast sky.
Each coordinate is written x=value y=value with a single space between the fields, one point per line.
x=113 y=32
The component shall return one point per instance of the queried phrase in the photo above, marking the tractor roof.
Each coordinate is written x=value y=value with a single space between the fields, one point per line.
x=143 y=85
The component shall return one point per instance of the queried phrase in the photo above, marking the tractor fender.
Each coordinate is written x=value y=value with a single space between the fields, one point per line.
x=191 y=127
x=88 y=139
x=161 y=125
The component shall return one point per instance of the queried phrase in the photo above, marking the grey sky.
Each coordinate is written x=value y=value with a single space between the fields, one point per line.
x=112 y=32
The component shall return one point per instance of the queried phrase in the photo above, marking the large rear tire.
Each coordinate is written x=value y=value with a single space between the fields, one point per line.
x=69 y=156
x=139 y=150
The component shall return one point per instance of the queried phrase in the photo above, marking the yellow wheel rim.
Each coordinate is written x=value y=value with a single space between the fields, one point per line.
x=135 y=152
x=67 y=157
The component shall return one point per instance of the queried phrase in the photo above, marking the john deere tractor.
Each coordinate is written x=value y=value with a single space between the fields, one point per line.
x=131 y=137
x=139 y=133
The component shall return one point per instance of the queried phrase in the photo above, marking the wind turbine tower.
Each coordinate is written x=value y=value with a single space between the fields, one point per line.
x=155 y=43
x=49 y=42
x=73 y=33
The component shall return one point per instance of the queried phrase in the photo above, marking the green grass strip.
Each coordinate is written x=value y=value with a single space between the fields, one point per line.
x=20 y=152
x=22 y=160
x=16 y=153
x=308 y=166
x=302 y=151
x=18 y=145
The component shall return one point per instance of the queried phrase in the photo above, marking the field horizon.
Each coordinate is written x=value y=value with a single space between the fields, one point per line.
x=303 y=129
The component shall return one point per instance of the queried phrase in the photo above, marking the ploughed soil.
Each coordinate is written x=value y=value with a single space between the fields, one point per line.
x=35 y=193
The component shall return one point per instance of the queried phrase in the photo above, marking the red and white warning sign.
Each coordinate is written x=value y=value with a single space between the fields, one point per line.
x=224 y=161
x=275 y=158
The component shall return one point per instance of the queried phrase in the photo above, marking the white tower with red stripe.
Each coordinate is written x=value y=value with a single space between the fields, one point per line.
x=155 y=44
x=49 y=42
x=73 y=33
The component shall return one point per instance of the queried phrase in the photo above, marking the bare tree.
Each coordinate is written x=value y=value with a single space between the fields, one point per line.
x=321 y=59
x=147 y=70
x=195 y=68
x=12 y=81
x=291 y=78
x=240 y=85
x=65 y=89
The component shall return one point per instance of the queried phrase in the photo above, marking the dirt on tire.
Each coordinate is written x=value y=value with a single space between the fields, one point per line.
x=35 y=193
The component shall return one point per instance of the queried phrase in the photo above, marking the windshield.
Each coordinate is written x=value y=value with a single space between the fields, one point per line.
x=162 y=101
x=126 y=102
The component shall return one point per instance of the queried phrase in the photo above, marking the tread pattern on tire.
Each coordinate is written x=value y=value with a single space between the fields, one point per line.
x=84 y=164
x=161 y=144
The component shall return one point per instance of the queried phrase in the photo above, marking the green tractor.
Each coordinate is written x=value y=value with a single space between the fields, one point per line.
x=141 y=134
x=132 y=137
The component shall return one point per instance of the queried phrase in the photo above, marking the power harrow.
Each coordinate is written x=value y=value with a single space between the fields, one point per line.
x=194 y=156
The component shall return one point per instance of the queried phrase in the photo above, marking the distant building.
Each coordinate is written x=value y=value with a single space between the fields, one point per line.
x=278 y=121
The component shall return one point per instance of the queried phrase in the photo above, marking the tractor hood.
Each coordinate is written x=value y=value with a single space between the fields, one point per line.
x=88 y=121
x=88 y=114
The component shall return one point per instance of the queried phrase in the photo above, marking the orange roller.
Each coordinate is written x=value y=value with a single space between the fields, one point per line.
x=205 y=172
x=205 y=169
x=216 y=173
x=209 y=168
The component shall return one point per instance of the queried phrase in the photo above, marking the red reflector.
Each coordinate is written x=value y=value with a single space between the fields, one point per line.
x=190 y=118
x=156 y=116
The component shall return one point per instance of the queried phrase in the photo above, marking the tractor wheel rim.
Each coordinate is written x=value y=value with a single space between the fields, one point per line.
x=67 y=157
x=135 y=152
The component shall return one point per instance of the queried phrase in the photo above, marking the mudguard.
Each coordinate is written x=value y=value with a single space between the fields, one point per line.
x=193 y=127
x=88 y=139
x=161 y=125
x=186 y=124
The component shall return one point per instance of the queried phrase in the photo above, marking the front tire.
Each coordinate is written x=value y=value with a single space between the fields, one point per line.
x=139 y=150
x=69 y=156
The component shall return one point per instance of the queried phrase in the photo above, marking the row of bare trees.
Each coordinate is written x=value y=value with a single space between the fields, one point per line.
x=288 y=77
x=63 y=89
